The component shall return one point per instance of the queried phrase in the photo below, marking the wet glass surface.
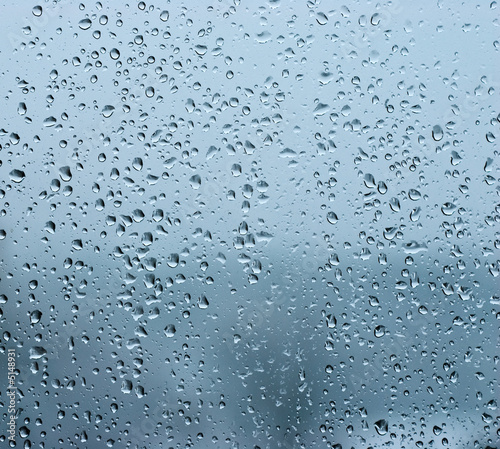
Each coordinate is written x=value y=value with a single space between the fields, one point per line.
x=236 y=224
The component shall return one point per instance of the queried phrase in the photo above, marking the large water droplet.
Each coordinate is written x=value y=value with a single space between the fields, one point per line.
x=114 y=53
x=437 y=133
x=37 y=352
x=169 y=330
x=203 y=302
x=17 y=175
x=382 y=426
x=108 y=111
x=85 y=24
x=35 y=316
x=332 y=217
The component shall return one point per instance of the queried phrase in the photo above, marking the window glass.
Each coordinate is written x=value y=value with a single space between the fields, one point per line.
x=249 y=224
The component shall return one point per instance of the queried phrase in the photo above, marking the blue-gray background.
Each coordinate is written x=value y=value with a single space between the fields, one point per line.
x=250 y=224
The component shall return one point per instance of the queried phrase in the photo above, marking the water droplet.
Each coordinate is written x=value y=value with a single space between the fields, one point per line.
x=370 y=181
x=332 y=217
x=395 y=204
x=414 y=247
x=414 y=194
x=437 y=133
x=415 y=214
x=114 y=53
x=327 y=77
x=37 y=11
x=14 y=138
x=164 y=16
x=203 y=302
x=17 y=175
x=169 y=330
x=35 y=316
x=331 y=321
x=263 y=37
x=382 y=426
x=321 y=18
x=455 y=158
x=21 y=109
x=65 y=173
x=108 y=111
x=85 y=24
x=382 y=187
x=126 y=386
x=195 y=181
x=37 y=352
x=490 y=137
x=137 y=164
x=49 y=121
x=173 y=260
x=375 y=19
x=138 y=215
x=436 y=430
x=390 y=233
x=321 y=109
x=448 y=209
x=200 y=49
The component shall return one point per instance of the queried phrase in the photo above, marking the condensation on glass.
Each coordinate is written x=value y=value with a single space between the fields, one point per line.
x=240 y=224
